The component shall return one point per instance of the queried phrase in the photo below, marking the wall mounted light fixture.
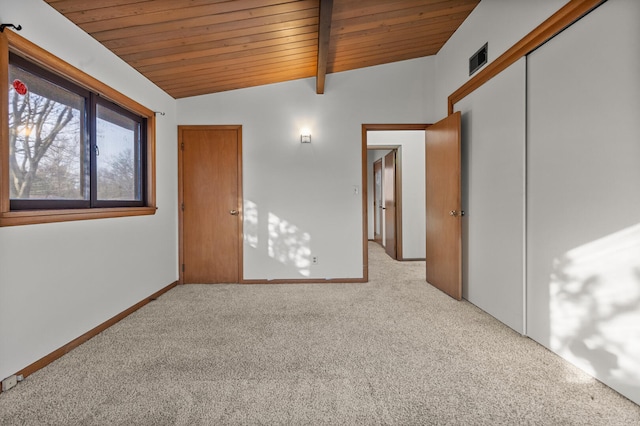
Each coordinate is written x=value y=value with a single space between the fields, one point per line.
x=305 y=136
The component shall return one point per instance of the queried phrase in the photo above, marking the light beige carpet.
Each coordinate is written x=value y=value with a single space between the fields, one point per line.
x=392 y=351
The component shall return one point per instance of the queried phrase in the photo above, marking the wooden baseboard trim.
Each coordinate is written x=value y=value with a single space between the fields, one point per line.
x=308 y=281
x=48 y=359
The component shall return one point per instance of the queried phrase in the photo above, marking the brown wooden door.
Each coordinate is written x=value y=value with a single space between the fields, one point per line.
x=377 y=201
x=444 y=241
x=390 y=204
x=211 y=201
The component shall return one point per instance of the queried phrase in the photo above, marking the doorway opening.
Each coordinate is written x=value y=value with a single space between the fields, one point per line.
x=386 y=197
x=404 y=146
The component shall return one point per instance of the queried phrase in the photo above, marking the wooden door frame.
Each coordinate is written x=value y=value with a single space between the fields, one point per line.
x=181 y=128
x=365 y=186
x=375 y=222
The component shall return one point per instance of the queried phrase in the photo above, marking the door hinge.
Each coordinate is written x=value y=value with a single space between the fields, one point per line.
x=183 y=267
x=182 y=146
x=182 y=206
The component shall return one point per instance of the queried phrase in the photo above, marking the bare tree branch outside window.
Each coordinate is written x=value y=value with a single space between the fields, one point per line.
x=45 y=140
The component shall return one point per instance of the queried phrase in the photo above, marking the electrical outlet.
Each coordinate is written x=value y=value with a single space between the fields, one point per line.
x=9 y=382
x=314 y=260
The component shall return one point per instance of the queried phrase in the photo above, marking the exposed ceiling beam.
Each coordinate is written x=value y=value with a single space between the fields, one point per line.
x=324 y=35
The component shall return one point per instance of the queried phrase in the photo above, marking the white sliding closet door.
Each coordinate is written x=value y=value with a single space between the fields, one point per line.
x=493 y=147
x=583 y=208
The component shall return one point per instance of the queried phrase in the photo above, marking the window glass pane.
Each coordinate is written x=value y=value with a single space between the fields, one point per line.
x=46 y=139
x=118 y=156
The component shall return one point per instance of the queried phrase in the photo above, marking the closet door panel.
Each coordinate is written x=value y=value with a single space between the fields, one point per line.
x=583 y=197
x=493 y=146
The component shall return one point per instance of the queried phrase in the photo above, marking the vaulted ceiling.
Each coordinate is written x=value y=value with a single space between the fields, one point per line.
x=195 y=47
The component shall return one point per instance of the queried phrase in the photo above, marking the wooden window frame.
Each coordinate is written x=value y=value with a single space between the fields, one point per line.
x=12 y=42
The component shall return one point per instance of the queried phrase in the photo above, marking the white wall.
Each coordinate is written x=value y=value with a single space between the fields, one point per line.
x=57 y=281
x=583 y=202
x=308 y=189
x=493 y=184
x=500 y=23
x=411 y=153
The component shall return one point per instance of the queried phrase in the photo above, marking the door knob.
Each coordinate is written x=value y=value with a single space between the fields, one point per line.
x=233 y=212
x=455 y=213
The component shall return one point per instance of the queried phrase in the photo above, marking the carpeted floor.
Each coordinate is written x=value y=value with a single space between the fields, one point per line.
x=392 y=351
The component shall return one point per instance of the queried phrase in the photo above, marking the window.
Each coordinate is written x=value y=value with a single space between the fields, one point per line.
x=118 y=151
x=46 y=138
x=69 y=148
x=74 y=148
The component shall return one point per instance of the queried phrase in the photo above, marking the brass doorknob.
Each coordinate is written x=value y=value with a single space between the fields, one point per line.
x=233 y=212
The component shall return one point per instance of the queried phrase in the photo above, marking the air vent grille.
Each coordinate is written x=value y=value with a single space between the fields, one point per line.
x=478 y=59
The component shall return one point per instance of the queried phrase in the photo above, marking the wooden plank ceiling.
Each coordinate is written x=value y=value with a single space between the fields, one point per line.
x=195 y=47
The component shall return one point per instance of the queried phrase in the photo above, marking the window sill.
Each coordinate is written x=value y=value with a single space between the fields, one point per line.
x=30 y=217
